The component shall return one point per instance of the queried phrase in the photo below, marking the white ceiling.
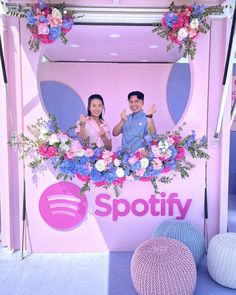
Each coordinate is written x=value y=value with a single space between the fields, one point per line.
x=93 y=43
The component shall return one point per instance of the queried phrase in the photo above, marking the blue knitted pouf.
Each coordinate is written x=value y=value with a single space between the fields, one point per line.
x=221 y=259
x=185 y=232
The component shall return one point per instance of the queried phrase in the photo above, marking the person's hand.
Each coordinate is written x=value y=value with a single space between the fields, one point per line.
x=82 y=120
x=123 y=115
x=152 y=110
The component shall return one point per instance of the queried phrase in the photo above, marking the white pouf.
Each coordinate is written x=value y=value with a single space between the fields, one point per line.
x=221 y=259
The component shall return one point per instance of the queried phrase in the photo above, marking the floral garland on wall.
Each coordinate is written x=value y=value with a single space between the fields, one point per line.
x=182 y=24
x=162 y=154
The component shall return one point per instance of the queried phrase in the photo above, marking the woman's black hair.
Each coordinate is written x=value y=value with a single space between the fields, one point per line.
x=95 y=96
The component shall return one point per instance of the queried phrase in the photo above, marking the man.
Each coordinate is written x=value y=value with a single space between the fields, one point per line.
x=135 y=126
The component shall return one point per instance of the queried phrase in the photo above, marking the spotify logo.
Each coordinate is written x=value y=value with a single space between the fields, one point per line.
x=62 y=207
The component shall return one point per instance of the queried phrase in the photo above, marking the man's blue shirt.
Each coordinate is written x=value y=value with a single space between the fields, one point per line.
x=134 y=131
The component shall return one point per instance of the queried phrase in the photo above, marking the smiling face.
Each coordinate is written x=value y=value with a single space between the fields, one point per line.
x=96 y=107
x=135 y=104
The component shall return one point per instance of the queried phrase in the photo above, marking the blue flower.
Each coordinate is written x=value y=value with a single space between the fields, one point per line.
x=30 y=18
x=67 y=23
x=54 y=33
x=43 y=19
x=41 y=5
x=203 y=140
x=171 y=18
x=51 y=126
x=198 y=10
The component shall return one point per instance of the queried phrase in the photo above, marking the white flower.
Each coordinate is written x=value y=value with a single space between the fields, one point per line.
x=163 y=144
x=144 y=162
x=44 y=129
x=182 y=34
x=80 y=153
x=194 y=23
x=120 y=172
x=43 y=137
x=53 y=139
x=116 y=162
x=56 y=13
x=100 y=165
x=64 y=147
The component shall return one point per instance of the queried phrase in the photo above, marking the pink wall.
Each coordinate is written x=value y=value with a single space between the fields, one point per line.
x=99 y=233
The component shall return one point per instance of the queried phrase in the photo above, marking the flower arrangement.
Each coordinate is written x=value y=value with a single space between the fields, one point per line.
x=162 y=154
x=182 y=24
x=48 y=24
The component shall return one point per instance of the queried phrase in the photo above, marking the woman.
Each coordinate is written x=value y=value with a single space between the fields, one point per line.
x=93 y=127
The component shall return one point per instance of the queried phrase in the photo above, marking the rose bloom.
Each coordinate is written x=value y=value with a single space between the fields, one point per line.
x=182 y=34
x=192 y=34
x=100 y=165
x=116 y=162
x=144 y=162
x=43 y=29
x=120 y=172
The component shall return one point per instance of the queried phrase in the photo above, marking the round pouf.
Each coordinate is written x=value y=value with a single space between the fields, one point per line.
x=221 y=259
x=185 y=232
x=163 y=266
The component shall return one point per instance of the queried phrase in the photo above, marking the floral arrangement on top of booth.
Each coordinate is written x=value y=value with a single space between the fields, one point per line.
x=182 y=24
x=46 y=23
x=161 y=154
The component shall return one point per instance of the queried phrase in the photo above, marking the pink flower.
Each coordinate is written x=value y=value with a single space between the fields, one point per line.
x=181 y=153
x=89 y=152
x=74 y=149
x=173 y=38
x=141 y=171
x=83 y=177
x=192 y=34
x=107 y=157
x=43 y=29
x=166 y=170
x=133 y=160
x=144 y=179
x=157 y=164
x=45 y=40
x=47 y=152
x=176 y=138
x=140 y=153
x=119 y=181
x=100 y=183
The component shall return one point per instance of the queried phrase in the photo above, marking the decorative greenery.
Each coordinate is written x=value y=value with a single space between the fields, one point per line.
x=162 y=154
x=182 y=24
x=46 y=22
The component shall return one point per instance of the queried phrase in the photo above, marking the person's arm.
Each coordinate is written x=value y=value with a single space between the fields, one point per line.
x=107 y=142
x=118 y=128
x=82 y=127
x=150 y=120
x=104 y=136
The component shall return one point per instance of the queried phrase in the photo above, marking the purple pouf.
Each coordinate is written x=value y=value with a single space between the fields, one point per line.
x=163 y=266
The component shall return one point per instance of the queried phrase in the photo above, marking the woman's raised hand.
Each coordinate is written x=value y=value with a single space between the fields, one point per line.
x=82 y=120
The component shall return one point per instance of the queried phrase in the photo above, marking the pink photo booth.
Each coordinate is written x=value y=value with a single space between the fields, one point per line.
x=104 y=222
